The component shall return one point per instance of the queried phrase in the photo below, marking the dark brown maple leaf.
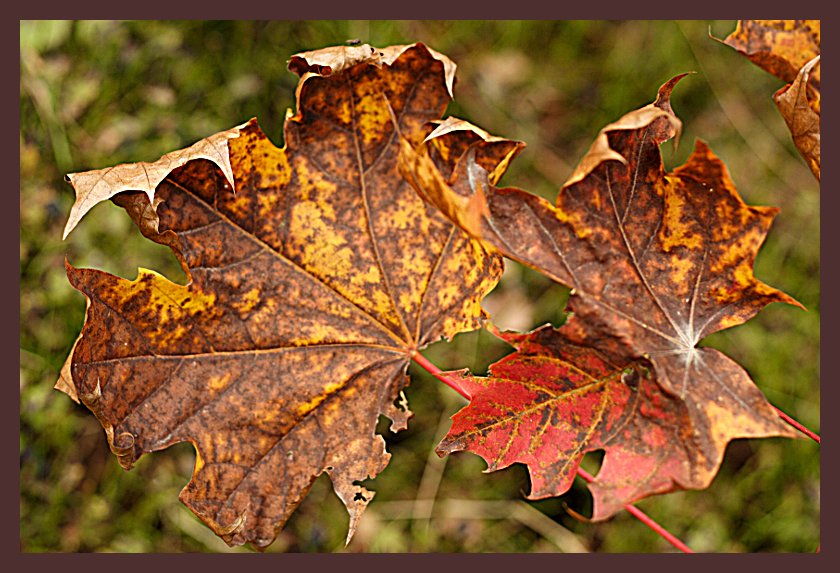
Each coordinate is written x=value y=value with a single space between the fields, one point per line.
x=657 y=261
x=309 y=290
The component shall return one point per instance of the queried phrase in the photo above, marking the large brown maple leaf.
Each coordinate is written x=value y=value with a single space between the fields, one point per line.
x=657 y=261
x=310 y=287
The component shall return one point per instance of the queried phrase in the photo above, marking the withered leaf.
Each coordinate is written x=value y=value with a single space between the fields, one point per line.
x=336 y=59
x=802 y=115
x=657 y=261
x=93 y=187
x=790 y=50
x=780 y=47
x=309 y=290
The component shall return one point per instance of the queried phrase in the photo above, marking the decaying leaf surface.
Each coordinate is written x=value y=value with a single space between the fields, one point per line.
x=336 y=59
x=310 y=287
x=93 y=187
x=780 y=47
x=802 y=115
x=790 y=50
x=657 y=261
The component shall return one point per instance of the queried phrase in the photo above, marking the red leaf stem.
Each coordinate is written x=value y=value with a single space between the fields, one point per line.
x=645 y=518
x=813 y=435
x=437 y=373
x=429 y=367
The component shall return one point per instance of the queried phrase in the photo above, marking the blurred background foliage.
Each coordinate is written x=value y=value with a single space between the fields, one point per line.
x=97 y=93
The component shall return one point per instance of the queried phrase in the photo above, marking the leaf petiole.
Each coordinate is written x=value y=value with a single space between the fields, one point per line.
x=427 y=365
x=813 y=435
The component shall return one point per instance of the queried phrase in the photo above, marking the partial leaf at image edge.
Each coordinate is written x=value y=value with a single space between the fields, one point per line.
x=779 y=47
x=790 y=50
x=802 y=116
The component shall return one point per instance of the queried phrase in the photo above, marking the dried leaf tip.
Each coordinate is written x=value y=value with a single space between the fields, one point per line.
x=93 y=187
x=335 y=59
x=601 y=151
x=663 y=96
x=663 y=101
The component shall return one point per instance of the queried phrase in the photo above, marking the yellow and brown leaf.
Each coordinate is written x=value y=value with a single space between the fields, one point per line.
x=657 y=261
x=309 y=289
x=780 y=47
x=790 y=50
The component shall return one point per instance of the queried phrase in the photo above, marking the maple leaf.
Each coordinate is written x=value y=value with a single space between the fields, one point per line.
x=790 y=50
x=657 y=261
x=309 y=290
x=557 y=398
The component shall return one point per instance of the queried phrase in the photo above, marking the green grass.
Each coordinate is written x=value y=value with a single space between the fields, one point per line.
x=94 y=94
